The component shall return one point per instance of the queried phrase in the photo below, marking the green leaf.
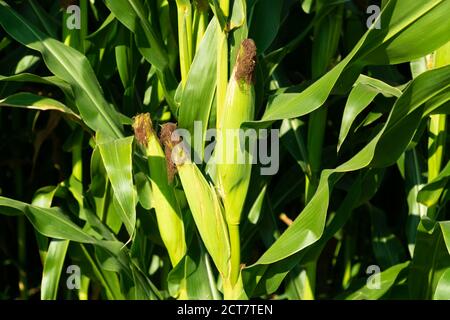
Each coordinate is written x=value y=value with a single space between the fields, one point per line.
x=363 y=93
x=407 y=113
x=198 y=94
x=133 y=14
x=309 y=225
x=60 y=227
x=380 y=151
x=431 y=258
x=387 y=247
x=124 y=57
x=307 y=5
x=50 y=222
x=144 y=190
x=430 y=194
x=46 y=20
x=192 y=278
x=265 y=23
x=255 y=211
x=401 y=22
x=10 y=207
x=267 y=278
x=69 y=65
x=90 y=266
x=327 y=32
x=52 y=269
x=208 y=215
x=399 y=45
x=52 y=255
x=445 y=228
x=238 y=15
x=117 y=159
x=414 y=180
x=43 y=197
x=31 y=101
x=388 y=279
x=442 y=291
x=293 y=140
x=29 y=77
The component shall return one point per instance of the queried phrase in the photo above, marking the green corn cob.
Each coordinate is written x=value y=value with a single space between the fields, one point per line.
x=168 y=213
x=234 y=177
x=202 y=199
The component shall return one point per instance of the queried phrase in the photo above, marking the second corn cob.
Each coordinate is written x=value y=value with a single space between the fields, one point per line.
x=234 y=160
x=168 y=213
x=203 y=201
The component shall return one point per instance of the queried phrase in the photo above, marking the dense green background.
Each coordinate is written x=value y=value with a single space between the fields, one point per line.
x=362 y=120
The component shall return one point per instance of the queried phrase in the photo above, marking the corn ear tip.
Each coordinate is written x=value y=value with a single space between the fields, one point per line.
x=167 y=136
x=169 y=140
x=246 y=62
x=143 y=128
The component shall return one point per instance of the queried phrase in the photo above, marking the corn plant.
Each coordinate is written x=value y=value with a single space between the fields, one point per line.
x=224 y=149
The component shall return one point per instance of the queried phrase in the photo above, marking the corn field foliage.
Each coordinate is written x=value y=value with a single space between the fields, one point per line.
x=94 y=206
